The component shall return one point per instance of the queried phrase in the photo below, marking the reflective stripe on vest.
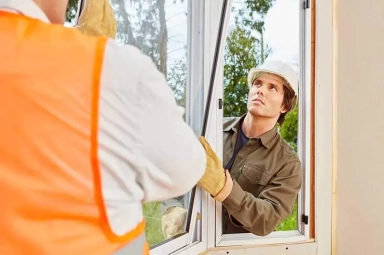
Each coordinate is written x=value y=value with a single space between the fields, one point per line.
x=138 y=246
x=51 y=198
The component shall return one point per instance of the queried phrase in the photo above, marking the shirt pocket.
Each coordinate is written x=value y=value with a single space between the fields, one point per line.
x=253 y=179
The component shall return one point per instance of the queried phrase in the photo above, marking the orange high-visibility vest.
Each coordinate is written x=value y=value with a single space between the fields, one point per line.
x=50 y=184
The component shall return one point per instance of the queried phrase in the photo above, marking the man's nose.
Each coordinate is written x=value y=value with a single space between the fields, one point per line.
x=261 y=91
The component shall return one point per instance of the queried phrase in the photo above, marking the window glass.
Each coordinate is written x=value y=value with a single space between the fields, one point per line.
x=260 y=30
x=159 y=29
x=71 y=13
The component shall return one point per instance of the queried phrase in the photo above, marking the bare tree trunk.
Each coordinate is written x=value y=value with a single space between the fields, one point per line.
x=126 y=24
x=163 y=38
x=262 y=47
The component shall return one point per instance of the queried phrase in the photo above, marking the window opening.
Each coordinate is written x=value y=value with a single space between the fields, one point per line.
x=260 y=31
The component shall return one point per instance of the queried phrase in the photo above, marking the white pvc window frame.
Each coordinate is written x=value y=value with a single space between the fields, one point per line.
x=201 y=44
x=290 y=244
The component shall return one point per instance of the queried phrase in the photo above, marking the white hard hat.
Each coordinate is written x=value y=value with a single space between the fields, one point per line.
x=279 y=68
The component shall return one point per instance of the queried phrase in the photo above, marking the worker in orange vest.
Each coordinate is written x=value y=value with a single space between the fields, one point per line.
x=89 y=131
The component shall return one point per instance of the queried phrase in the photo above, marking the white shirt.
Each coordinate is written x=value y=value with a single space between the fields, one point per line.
x=146 y=150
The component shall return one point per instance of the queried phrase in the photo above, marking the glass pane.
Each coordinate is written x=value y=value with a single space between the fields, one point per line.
x=259 y=30
x=71 y=13
x=159 y=29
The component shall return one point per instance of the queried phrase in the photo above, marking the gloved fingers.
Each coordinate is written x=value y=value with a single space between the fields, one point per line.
x=92 y=12
x=205 y=143
x=97 y=19
x=208 y=149
x=109 y=19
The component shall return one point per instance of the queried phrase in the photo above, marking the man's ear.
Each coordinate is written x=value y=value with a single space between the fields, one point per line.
x=283 y=108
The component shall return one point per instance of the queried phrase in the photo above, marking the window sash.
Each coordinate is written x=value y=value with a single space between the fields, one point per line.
x=304 y=135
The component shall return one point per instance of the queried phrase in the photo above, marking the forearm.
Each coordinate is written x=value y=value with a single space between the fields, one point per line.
x=256 y=215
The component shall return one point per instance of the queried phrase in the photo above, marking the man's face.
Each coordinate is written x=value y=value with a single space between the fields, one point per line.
x=265 y=98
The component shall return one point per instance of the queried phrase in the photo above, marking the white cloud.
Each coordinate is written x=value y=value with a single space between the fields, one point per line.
x=282 y=30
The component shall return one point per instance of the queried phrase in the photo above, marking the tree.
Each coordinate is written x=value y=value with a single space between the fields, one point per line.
x=71 y=10
x=177 y=80
x=241 y=54
x=289 y=128
x=144 y=26
x=244 y=50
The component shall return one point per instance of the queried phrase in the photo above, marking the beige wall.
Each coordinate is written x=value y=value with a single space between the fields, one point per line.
x=359 y=148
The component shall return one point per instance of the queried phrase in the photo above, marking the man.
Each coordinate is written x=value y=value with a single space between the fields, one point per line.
x=78 y=149
x=263 y=174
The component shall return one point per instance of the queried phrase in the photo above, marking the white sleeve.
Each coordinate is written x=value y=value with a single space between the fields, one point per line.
x=146 y=148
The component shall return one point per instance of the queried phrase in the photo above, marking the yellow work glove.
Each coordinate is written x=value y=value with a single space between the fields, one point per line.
x=97 y=19
x=213 y=180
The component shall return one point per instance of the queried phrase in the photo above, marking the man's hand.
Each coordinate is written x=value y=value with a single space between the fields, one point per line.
x=213 y=180
x=97 y=19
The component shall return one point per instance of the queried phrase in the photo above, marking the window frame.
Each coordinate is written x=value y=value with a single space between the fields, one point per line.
x=319 y=239
x=305 y=119
x=320 y=34
x=319 y=49
x=302 y=233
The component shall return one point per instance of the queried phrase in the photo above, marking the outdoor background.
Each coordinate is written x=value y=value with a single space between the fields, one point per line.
x=259 y=29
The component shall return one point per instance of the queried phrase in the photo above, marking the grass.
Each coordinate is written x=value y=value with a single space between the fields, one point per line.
x=290 y=223
x=153 y=222
x=152 y=215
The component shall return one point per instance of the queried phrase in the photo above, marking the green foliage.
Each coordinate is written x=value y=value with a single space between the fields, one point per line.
x=152 y=215
x=240 y=56
x=290 y=127
x=244 y=50
x=177 y=80
x=71 y=10
x=251 y=14
x=290 y=223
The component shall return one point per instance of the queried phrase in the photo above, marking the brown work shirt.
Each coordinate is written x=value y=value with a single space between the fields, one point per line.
x=266 y=176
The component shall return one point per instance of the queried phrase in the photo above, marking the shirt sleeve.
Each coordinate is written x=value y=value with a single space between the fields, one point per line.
x=147 y=149
x=261 y=215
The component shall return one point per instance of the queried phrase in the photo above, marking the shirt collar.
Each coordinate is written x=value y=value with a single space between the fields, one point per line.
x=265 y=138
x=234 y=124
x=26 y=7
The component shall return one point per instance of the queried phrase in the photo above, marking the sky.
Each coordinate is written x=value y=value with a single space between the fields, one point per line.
x=281 y=29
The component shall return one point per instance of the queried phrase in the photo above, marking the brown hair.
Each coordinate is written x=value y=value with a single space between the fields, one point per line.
x=289 y=102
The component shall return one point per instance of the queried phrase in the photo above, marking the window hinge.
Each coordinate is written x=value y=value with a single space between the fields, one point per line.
x=304 y=219
x=306 y=4
x=220 y=103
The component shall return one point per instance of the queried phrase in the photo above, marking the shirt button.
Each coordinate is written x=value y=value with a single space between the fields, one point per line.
x=239 y=156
